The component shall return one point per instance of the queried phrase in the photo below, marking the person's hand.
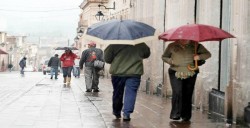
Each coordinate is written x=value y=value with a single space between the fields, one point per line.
x=196 y=57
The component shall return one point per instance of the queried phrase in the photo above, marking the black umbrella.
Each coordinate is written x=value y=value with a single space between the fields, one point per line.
x=65 y=48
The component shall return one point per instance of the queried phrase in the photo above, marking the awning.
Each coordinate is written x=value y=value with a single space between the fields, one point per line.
x=3 y=52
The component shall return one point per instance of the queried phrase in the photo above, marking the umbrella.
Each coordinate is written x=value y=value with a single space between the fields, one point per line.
x=197 y=33
x=120 y=32
x=65 y=48
x=3 y=52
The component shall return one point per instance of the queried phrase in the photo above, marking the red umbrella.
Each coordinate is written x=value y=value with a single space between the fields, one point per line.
x=3 y=52
x=197 y=33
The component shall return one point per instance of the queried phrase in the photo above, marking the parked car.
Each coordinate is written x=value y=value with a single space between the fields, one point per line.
x=45 y=67
x=29 y=68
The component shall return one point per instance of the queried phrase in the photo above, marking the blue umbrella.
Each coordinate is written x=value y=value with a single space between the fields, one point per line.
x=120 y=32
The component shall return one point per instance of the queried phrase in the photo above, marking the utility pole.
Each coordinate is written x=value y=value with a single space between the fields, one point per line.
x=68 y=42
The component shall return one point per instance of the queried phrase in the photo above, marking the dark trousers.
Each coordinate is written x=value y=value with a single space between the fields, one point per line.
x=67 y=71
x=129 y=86
x=182 y=91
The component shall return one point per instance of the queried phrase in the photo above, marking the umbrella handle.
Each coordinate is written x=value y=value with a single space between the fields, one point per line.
x=193 y=68
x=196 y=61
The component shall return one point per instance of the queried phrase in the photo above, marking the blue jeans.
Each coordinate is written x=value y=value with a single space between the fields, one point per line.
x=54 y=69
x=127 y=87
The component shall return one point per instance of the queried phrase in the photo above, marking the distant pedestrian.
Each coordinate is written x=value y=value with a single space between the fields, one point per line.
x=67 y=59
x=126 y=70
x=76 y=68
x=22 y=65
x=90 y=72
x=10 y=66
x=54 y=63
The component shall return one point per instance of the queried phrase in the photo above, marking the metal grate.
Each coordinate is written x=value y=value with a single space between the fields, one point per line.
x=216 y=102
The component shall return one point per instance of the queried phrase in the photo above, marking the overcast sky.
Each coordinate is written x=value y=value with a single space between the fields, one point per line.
x=40 y=18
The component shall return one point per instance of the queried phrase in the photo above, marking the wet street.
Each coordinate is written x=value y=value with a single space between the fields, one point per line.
x=36 y=101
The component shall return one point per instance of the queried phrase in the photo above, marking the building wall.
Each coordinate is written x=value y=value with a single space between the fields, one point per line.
x=234 y=17
x=241 y=29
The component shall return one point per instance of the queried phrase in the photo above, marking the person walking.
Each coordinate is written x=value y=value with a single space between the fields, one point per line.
x=90 y=72
x=126 y=70
x=22 y=64
x=179 y=55
x=67 y=59
x=10 y=66
x=54 y=63
x=76 y=68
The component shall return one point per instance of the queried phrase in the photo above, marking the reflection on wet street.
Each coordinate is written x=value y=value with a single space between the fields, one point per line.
x=36 y=101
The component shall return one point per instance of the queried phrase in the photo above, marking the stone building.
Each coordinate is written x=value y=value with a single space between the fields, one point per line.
x=226 y=71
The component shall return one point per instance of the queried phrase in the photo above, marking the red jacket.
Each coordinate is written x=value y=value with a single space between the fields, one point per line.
x=68 y=59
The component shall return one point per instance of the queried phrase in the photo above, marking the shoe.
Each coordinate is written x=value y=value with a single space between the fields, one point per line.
x=96 y=90
x=126 y=118
x=186 y=119
x=88 y=90
x=56 y=78
x=175 y=118
x=118 y=116
x=51 y=77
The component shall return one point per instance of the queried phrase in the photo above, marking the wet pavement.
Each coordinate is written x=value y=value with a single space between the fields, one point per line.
x=36 y=101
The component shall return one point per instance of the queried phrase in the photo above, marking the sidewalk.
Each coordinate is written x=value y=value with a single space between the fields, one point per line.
x=45 y=103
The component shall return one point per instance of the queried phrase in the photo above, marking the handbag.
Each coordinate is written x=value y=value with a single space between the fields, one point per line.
x=200 y=62
x=99 y=64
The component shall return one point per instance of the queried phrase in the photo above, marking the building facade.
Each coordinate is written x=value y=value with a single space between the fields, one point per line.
x=226 y=71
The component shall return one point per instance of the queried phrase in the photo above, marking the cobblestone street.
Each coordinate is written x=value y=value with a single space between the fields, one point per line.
x=36 y=101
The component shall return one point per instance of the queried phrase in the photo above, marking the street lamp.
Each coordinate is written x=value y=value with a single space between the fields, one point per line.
x=99 y=16
x=4 y=43
x=76 y=39
x=80 y=32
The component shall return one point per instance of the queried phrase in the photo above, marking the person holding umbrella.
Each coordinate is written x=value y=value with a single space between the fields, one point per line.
x=178 y=55
x=126 y=70
x=67 y=59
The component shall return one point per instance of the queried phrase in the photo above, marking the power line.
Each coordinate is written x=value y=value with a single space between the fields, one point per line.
x=10 y=10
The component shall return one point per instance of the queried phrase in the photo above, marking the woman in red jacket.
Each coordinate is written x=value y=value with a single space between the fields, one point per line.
x=67 y=59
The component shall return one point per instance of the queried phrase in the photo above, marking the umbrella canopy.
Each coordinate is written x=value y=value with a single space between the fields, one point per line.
x=195 y=32
x=3 y=52
x=65 y=48
x=120 y=32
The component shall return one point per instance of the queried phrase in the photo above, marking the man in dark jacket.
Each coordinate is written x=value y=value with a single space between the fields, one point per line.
x=22 y=65
x=126 y=70
x=90 y=72
x=54 y=63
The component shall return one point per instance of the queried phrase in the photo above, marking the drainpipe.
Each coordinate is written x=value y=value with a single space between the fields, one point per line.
x=229 y=90
x=195 y=11
x=164 y=45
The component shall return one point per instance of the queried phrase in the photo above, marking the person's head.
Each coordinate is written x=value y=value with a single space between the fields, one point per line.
x=67 y=51
x=183 y=42
x=24 y=58
x=56 y=55
x=91 y=44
